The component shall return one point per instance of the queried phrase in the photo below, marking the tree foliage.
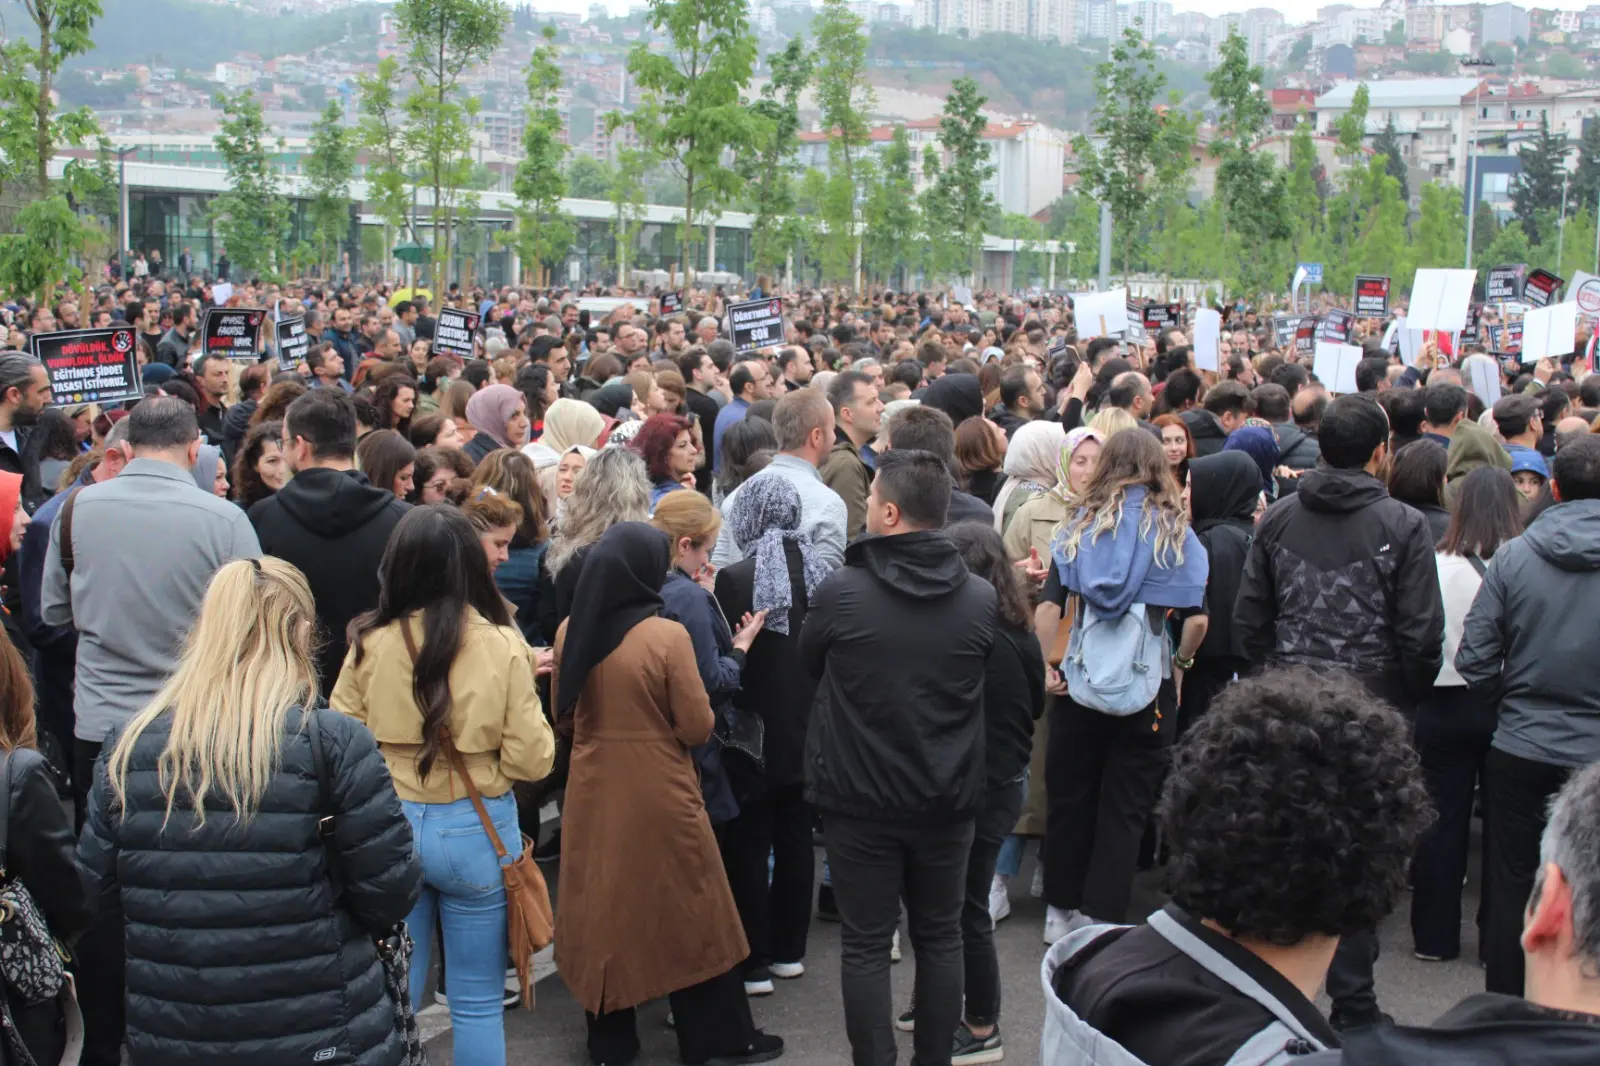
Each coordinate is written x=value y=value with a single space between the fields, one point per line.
x=769 y=170
x=1537 y=189
x=544 y=233
x=693 y=114
x=1387 y=145
x=845 y=98
x=252 y=216
x=967 y=169
x=891 y=228
x=329 y=165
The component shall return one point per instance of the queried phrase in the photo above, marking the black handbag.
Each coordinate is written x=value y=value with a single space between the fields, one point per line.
x=744 y=734
x=393 y=944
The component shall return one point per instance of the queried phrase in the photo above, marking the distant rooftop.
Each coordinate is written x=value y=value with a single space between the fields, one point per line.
x=1404 y=92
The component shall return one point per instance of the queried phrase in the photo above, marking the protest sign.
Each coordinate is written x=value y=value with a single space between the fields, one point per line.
x=1134 y=333
x=1548 y=332
x=1439 y=299
x=1540 y=288
x=1336 y=326
x=1585 y=292
x=1158 y=317
x=1335 y=365
x=1371 y=296
x=1283 y=327
x=234 y=332
x=1503 y=284
x=671 y=302
x=1100 y=314
x=293 y=342
x=1305 y=335
x=756 y=324
x=1207 y=339
x=453 y=330
x=89 y=365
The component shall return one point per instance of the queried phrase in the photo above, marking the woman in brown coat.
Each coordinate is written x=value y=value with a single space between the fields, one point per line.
x=645 y=909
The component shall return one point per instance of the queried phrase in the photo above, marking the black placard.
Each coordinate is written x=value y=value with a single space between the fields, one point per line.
x=293 y=342
x=1135 y=331
x=1371 y=296
x=1541 y=287
x=671 y=302
x=1335 y=326
x=1505 y=339
x=1283 y=327
x=234 y=332
x=756 y=324
x=1158 y=317
x=1469 y=333
x=1503 y=284
x=89 y=365
x=453 y=330
x=1305 y=335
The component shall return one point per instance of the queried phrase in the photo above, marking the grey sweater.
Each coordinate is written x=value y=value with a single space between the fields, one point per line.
x=1531 y=631
x=145 y=545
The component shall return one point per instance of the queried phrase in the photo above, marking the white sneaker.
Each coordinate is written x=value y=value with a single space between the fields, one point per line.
x=1058 y=923
x=999 y=900
x=788 y=971
x=894 y=947
x=759 y=987
x=513 y=993
x=1036 y=890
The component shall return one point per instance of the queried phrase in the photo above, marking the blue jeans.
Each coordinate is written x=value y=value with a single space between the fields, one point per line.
x=461 y=885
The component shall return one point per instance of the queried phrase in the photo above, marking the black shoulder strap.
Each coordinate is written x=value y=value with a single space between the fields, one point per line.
x=1478 y=564
x=325 y=823
x=5 y=810
x=65 y=518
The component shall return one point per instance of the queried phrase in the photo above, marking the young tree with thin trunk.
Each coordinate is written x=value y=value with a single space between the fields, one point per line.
x=846 y=99
x=390 y=163
x=544 y=232
x=967 y=169
x=769 y=171
x=252 y=216
x=329 y=166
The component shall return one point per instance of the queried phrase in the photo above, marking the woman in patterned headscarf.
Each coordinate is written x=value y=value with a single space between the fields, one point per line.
x=778 y=574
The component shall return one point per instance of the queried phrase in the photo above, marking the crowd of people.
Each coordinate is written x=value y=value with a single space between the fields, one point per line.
x=292 y=651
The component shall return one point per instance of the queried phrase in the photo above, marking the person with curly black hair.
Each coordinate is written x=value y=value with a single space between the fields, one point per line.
x=1292 y=811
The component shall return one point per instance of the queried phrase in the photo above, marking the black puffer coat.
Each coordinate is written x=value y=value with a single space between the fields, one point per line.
x=238 y=952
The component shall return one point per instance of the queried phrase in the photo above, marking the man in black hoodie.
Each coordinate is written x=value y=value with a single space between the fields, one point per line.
x=1342 y=575
x=329 y=520
x=1558 y=1021
x=895 y=750
x=928 y=429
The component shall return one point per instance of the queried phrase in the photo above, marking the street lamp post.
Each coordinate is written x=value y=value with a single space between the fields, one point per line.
x=122 y=198
x=1472 y=147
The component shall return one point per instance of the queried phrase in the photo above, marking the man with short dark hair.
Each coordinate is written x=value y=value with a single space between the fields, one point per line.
x=1521 y=423
x=898 y=638
x=1182 y=391
x=749 y=384
x=173 y=348
x=327 y=368
x=211 y=371
x=1526 y=646
x=24 y=394
x=1372 y=375
x=329 y=520
x=1297 y=449
x=1443 y=408
x=405 y=318
x=929 y=429
x=1226 y=406
x=858 y=415
x=795 y=366
x=1341 y=575
x=1021 y=399
x=343 y=336
x=1229 y=970
x=699 y=376
x=1130 y=391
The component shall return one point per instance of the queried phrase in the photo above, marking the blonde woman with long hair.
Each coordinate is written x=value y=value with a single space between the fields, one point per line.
x=1125 y=546
x=219 y=827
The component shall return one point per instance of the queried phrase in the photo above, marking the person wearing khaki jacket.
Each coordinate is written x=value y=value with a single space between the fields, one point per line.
x=858 y=415
x=440 y=674
x=645 y=908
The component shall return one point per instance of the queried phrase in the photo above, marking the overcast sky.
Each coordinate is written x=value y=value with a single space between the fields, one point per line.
x=1294 y=10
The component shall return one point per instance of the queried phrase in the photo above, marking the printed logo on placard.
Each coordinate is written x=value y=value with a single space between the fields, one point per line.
x=122 y=341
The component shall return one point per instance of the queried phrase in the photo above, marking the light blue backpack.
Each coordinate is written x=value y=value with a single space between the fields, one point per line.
x=1114 y=663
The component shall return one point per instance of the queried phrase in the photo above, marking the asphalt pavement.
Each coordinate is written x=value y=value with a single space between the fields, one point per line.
x=808 y=1013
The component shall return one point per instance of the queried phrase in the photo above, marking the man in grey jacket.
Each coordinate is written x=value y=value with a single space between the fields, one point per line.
x=144 y=546
x=1522 y=644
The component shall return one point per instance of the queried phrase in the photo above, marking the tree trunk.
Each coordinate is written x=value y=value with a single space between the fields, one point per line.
x=688 y=230
x=42 y=106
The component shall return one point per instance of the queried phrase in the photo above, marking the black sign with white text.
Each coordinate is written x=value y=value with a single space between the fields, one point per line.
x=1335 y=326
x=1371 y=296
x=234 y=332
x=453 y=330
x=1504 y=283
x=671 y=303
x=1540 y=288
x=89 y=365
x=293 y=342
x=756 y=324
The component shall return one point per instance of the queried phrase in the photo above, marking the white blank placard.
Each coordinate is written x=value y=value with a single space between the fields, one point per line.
x=1208 y=339
x=1483 y=377
x=1334 y=365
x=1547 y=332
x=1100 y=314
x=1439 y=299
x=221 y=291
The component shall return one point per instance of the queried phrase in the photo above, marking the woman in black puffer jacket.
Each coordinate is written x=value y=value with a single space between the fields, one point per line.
x=238 y=949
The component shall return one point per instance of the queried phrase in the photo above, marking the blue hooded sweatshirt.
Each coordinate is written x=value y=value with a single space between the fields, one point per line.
x=1113 y=572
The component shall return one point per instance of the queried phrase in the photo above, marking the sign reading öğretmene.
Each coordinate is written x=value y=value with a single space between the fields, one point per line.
x=756 y=324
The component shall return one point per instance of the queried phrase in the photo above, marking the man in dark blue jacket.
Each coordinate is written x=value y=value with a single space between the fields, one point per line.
x=895 y=751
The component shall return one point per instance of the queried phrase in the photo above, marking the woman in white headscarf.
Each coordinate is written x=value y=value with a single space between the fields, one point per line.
x=1030 y=468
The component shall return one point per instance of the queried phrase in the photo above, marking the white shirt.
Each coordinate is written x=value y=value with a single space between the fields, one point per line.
x=822 y=512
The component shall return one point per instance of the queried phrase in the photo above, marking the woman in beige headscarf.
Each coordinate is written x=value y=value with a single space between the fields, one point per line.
x=567 y=423
x=1030 y=468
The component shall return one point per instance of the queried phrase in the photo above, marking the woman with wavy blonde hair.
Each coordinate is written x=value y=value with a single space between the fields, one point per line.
x=228 y=806
x=1125 y=547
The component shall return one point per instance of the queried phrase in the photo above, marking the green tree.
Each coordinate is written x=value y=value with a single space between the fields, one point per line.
x=391 y=164
x=1395 y=35
x=1138 y=152
x=1586 y=179
x=1440 y=235
x=588 y=178
x=544 y=233
x=1250 y=189
x=1485 y=228
x=252 y=216
x=1538 y=188
x=769 y=171
x=443 y=40
x=329 y=166
x=890 y=214
x=1510 y=245
x=1306 y=192
x=48 y=233
x=845 y=98
x=1378 y=243
x=693 y=114
x=967 y=168
x=1387 y=145
x=627 y=196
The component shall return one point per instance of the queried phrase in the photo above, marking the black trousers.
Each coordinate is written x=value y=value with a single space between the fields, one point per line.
x=1202 y=684
x=1519 y=798
x=994 y=823
x=1350 y=984
x=711 y=1019
x=1102 y=777
x=776 y=914
x=101 y=952
x=1454 y=728
x=874 y=864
